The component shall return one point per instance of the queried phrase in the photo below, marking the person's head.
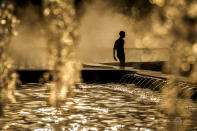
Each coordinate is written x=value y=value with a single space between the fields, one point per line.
x=122 y=34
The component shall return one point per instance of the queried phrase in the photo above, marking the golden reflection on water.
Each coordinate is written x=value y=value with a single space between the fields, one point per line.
x=93 y=107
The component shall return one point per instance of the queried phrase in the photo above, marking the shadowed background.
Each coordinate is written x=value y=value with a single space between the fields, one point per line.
x=155 y=31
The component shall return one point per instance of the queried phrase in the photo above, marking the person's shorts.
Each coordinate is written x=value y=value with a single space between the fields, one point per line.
x=121 y=57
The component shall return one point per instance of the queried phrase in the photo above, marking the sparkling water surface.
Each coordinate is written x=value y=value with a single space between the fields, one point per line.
x=91 y=107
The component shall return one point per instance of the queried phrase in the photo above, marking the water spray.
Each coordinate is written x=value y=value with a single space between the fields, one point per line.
x=62 y=42
x=8 y=76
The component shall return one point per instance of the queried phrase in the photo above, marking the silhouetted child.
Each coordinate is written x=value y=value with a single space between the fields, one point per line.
x=119 y=46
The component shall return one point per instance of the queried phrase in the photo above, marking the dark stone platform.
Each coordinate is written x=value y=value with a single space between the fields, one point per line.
x=30 y=76
x=91 y=73
x=113 y=74
x=88 y=75
x=154 y=66
x=103 y=76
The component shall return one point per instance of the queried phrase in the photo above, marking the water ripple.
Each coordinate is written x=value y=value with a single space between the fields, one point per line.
x=93 y=107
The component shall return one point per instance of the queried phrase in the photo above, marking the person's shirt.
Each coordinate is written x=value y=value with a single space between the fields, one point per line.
x=119 y=45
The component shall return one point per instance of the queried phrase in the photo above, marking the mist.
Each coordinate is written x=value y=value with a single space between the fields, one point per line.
x=155 y=31
x=100 y=26
x=28 y=46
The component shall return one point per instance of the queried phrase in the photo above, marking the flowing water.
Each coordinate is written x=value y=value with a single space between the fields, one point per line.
x=92 y=107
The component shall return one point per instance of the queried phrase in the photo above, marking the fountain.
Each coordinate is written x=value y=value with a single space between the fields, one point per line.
x=61 y=32
x=108 y=98
x=8 y=76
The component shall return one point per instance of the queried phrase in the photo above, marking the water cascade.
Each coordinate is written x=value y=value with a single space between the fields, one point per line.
x=62 y=41
x=8 y=76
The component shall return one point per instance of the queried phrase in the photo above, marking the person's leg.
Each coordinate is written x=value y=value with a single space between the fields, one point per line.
x=122 y=63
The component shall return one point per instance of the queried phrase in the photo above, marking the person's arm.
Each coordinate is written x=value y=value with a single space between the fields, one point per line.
x=114 y=52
